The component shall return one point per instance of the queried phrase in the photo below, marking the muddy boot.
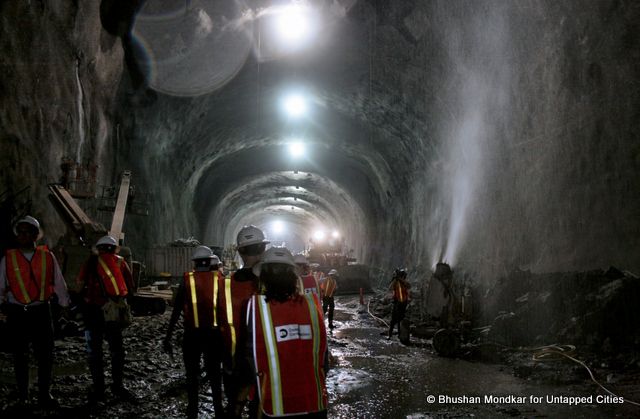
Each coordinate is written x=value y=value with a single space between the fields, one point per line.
x=122 y=393
x=192 y=410
x=46 y=401
x=96 y=395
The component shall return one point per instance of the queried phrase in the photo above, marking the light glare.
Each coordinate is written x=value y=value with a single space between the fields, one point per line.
x=278 y=227
x=319 y=235
x=295 y=105
x=293 y=24
x=335 y=234
x=296 y=149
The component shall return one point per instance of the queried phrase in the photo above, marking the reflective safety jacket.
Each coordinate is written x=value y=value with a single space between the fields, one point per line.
x=201 y=296
x=309 y=284
x=328 y=287
x=96 y=284
x=233 y=294
x=400 y=291
x=289 y=343
x=110 y=272
x=30 y=280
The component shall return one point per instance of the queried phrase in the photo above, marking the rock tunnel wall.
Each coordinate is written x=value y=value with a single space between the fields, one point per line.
x=492 y=135
x=60 y=77
x=526 y=115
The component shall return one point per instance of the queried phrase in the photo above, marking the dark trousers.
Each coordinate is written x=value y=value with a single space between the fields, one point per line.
x=397 y=314
x=207 y=344
x=96 y=331
x=328 y=303
x=31 y=326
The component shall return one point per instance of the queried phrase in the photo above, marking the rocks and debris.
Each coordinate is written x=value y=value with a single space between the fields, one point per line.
x=182 y=242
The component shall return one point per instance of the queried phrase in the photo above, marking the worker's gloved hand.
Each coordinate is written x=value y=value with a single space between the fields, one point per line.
x=167 y=348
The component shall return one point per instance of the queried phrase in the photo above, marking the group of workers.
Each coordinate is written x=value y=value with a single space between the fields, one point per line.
x=30 y=279
x=260 y=330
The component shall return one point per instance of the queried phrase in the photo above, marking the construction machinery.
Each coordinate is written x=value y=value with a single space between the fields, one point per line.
x=334 y=255
x=85 y=232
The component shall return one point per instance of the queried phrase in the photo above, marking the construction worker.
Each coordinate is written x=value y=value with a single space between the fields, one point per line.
x=29 y=279
x=400 y=288
x=105 y=281
x=308 y=280
x=197 y=297
x=234 y=294
x=287 y=342
x=328 y=288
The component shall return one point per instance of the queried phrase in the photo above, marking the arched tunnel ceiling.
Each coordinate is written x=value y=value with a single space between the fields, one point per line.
x=441 y=114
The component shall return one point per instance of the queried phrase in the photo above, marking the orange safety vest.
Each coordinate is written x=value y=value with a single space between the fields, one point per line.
x=110 y=274
x=289 y=346
x=30 y=280
x=309 y=284
x=232 y=296
x=329 y=286
x=400 y=291
x=201 y=299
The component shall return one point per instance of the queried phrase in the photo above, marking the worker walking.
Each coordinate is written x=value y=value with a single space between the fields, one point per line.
x=307 y=279
x=104 y=282
x=287 y=342
x=30 y=277
x=197 y=297
x=328 y=288
x=400 y=288
x=234 y=294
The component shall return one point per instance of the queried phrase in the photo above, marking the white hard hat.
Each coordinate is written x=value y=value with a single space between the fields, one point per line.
x=27 y=220
x=333 y=272
x=106 y=241
x=202 y=252
x=274 y=255
x=249 y=235
x=300 y=259
x=215 y=260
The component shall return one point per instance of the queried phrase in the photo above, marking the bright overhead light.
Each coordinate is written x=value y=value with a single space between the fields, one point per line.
x=335 y=234
x=319 y=235
x=295 y=105
x=296 y=149
x=293 y=24
x=278 y=227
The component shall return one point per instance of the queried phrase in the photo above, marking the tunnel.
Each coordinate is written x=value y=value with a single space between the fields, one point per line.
x=500 y=138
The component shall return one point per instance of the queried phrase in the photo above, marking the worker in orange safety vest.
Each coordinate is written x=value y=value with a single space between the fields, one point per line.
x=308 y=282
x=197 y=297
x=30 y=278
x=287 y=342
x=400 y=288
x=235 y=291
x=105 y=278
x=328 y=288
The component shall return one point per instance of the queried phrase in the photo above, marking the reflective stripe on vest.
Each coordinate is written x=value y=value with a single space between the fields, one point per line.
x=109 y=274
x=16 y=269
x=43 y=274
x=330 y=287
x=272 y=356
x=400 y=292
x=215 y=300
x=313 y=314
x=194 y=299
x=229 y=304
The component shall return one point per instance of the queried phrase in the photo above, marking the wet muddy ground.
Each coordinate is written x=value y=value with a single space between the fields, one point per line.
x=371 y=377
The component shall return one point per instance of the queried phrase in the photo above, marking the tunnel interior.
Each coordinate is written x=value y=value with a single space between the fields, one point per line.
x=493 y=136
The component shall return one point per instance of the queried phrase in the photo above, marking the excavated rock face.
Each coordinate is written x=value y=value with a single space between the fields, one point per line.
x=61 y=73
x=490 y=135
